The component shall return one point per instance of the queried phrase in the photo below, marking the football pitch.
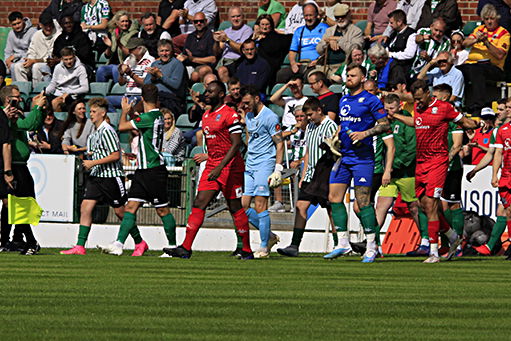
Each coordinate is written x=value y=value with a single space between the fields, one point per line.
x=214 y=297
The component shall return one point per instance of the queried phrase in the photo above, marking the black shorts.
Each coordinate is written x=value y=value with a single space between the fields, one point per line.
x=452 y=186
x=375 y=186
x=150 y=185
x=109 y=191
x=313 y=199
x=23 y=183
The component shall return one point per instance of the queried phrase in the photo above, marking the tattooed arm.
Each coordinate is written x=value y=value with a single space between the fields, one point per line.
x=382 y=126
x=279 y=143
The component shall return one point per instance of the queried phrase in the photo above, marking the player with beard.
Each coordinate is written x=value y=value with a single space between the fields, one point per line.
x=431 y=121
x=224 y=171
x=359 y=113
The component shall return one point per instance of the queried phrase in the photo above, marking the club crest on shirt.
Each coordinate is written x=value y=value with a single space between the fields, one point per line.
x=434 y=110
x=218 y=117
x=345 y=110
x=277 y=127
x=361 y=99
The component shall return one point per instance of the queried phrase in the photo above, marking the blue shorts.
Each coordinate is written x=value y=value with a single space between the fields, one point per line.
x=361 y=173
x=256 y=182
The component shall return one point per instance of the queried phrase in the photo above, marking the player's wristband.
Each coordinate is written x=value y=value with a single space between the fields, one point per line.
x=8 y=172
x=279 y=167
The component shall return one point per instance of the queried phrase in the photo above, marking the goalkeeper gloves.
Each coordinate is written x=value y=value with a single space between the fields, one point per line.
x=275 y=179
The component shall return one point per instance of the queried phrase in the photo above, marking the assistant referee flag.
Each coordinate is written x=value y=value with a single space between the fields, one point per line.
x=24 y=210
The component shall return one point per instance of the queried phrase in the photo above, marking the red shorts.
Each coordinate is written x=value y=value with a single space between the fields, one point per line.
x=230 y=182
x=430 y=178
x=505 y=191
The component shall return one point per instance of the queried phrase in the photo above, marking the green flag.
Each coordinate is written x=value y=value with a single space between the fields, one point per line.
x=23 y=210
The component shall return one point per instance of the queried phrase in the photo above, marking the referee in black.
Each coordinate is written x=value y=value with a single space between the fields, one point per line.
x=17 y=179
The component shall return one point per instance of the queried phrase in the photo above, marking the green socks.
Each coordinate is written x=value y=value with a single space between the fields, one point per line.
x=340 y=216
x=83 y=233
x=496 y=232
x=423 y=224
x=169 y=225
x=457 y=221
x=297 y=236
x=127 y=224
x=368 y=219
x=135 y=234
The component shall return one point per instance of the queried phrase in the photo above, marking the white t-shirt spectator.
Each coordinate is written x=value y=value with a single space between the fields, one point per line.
x=132 y=89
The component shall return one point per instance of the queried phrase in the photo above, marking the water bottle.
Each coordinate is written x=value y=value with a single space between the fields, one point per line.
x=348 y=131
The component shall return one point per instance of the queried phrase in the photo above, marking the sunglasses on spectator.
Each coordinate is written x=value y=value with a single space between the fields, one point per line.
x=442 y=61
x=340 y=17
x=200 y=21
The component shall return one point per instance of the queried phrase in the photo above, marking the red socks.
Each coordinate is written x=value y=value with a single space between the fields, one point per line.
x=195 y=221
x=433 y=231
x=241 y=223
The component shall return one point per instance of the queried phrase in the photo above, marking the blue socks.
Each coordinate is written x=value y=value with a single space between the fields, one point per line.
x=252 y=217
x=264 y=227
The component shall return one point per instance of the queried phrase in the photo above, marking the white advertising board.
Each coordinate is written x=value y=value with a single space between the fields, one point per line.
x=54 y=185
x=478 y=195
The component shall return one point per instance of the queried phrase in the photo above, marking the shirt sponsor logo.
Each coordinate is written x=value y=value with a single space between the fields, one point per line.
x=361 y=99
x=434 y=110
x=207 y=134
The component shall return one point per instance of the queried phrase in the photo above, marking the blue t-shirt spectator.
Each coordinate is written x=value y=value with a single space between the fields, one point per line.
x=305 y=40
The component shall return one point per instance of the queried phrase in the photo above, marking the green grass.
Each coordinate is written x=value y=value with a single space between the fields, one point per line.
x=214 y=297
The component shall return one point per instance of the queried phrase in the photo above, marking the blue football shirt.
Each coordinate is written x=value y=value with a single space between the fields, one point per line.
x=305 y=40
x=358 y=113
x=261 y=149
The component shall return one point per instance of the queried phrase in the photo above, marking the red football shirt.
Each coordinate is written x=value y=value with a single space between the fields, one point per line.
x=503 y=141
x=431 y=127
x=483 y=139
x=217 y=126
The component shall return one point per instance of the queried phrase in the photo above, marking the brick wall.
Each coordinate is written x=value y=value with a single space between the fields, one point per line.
x=33 y=8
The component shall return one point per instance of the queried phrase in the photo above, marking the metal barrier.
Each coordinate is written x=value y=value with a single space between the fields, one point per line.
x=181 y=191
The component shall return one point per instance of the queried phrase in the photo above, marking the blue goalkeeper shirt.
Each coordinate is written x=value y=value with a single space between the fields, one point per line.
x=358 y=113
x=261 y=128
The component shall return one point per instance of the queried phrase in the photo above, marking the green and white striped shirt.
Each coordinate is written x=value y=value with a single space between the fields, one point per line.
x=93 y=13
x=150 y=127
x=101 y=143
x=432 y=47
x=314 y=136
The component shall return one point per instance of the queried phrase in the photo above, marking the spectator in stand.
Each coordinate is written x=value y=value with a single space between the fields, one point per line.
x=173 y=141
x=73 y=36
x=388 y=74
x=441 y=70
x=206 y=7
x=340 y=39
x=303 y=57
x=132 y=73
x=328 y=12
x=430 y=41
x=480 y=139
x=251 y=69
x=271 y=45
x=289 y=103
x=198 y=49
x=275 y=9
x=168 y=16
x=356 y=56
x=228 y=43
x=503 y=7
x=69 y=81
x=34 y=65
x=121 y=29
x=152 y=33
x=445 y=9
x=401 y=43
x=295 y=18
x=47 y=139
x=58 y=9
x=76 y=129
x=18 y=40
x=94 y=22
x=489 y=47
x=459 y=52
x=169 y=76
x=378 y=19
x=233 y=99
x=329 y=101
x=413 y=10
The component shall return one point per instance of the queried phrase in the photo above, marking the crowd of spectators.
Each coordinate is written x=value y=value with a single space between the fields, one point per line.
x=285 y=55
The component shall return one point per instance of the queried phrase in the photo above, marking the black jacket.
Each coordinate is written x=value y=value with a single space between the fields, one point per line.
x=447 y=9
x=80 y=41
x=60 y=8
